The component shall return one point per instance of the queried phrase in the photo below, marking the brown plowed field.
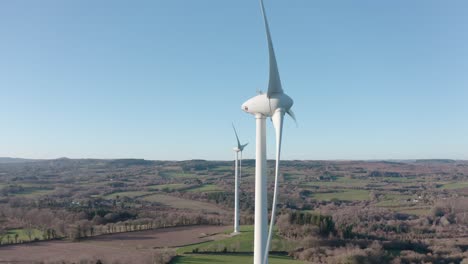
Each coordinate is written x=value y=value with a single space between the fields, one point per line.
x=131 y=247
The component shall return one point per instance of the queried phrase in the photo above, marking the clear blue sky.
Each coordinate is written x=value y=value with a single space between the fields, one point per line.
x=165 y=79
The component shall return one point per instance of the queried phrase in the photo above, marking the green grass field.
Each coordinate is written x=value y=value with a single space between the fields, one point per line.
x=34 y=192
x=396 y=179
x=228 y=259
x=180 y=203
x=291 y=176
x=206 y=188
x=239 y=243
x=242 y=243
x=340 y=182
x=391 y=200
x=224 y=168
x=455 y=185
x=169 y=187
x=177 y=174
x=398 y=203
x=125 y=194
x=22 y=235
x=413 y=210
x=343 y=195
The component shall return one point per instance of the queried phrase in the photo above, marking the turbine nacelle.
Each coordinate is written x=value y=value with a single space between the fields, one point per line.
x=261 y=104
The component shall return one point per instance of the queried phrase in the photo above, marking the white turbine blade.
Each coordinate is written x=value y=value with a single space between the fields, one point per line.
x=243 y=146
x=292 y=115
x=274 y=84
x=238 y=142
x=277 y=119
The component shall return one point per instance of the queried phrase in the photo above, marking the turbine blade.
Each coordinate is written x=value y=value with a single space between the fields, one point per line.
x=292 y=115
x=274 y=84
x=243 y=146
x=277 y=119
x=238 y=142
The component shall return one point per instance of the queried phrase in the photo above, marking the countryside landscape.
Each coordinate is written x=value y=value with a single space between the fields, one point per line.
x=233 y=132
x=142 y=211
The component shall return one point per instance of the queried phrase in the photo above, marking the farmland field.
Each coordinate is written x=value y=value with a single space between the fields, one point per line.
x=343 y=195
x=177 y=174
x=455 y=185
x=341 y=182
x=180 y=203
x=389 y=200
x=241 y=243
x=224 y=168
x=206 y=188
x=132 y=247
x=413 y=210
x=229 y=259
x=327 y=209
x=23 y=235
x=238 y=243
x=169 y=187
x=32 y=192
x=126 y=194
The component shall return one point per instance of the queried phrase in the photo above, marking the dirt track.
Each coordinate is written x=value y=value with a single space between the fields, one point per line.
x=133 y=247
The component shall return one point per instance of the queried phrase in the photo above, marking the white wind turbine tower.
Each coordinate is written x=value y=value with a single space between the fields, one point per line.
x=275 y=103
x=237 y=169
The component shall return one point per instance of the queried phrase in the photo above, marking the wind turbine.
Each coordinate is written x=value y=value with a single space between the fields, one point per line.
x=275 y=103
x=237 y=149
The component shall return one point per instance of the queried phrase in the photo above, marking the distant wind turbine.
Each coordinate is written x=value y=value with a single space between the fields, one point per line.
x=275 y=103
x=237 y=149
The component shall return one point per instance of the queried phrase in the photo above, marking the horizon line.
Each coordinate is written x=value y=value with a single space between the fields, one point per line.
x=199 y=159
